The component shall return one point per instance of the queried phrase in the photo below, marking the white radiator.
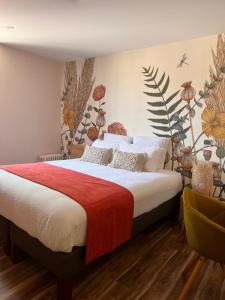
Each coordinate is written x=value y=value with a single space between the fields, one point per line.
x=51 y=156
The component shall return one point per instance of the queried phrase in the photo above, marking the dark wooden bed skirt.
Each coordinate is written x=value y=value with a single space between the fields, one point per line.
x=66 y=265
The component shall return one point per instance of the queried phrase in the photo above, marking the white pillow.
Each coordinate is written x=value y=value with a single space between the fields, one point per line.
x=105 y=145
x=153 y=141
x=117 y=138
x=155 y=156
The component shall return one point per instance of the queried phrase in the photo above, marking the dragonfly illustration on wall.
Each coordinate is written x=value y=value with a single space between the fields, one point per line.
x=183 y=61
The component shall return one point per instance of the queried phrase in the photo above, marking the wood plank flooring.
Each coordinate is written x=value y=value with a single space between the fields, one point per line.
x=146 y=268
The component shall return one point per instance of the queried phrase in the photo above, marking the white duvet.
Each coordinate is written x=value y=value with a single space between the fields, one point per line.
x=58 y=221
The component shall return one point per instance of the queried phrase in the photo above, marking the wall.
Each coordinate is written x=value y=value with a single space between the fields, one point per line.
x=124 y=81
x=126 y=102
x=30 y=88
x=122 y=75
x=126 y=90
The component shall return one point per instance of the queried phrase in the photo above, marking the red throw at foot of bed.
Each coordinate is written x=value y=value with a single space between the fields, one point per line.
x=109 y=206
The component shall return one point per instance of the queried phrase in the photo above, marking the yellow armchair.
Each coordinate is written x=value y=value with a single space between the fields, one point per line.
x=204 y=220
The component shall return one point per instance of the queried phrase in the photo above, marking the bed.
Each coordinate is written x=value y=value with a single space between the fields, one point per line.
x=54 y=229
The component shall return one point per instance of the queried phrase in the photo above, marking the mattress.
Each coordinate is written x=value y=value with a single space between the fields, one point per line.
x=59 y=222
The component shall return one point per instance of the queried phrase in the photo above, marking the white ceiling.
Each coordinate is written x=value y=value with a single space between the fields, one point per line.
x=67 y=29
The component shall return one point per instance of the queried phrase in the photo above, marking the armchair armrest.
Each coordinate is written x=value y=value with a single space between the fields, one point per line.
x=207 y=205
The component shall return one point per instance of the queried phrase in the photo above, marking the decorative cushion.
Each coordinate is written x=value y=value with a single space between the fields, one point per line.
x=153 y=141
x=97 y=155
x=155 y=157
x=117 y=138
x=105 y=145
x=128 y=161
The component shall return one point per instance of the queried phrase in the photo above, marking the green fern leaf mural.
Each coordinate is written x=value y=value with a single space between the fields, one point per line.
x=166 y=109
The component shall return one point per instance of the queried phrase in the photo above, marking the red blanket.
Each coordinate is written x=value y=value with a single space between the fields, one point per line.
x=109 y=206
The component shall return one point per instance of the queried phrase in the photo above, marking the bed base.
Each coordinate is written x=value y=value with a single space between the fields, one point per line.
x=65 y=266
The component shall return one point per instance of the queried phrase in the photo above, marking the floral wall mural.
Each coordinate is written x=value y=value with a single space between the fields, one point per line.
x=181 y=96
x=77 y=90
x=98 y=95
x=174 y=115
x=83 y=114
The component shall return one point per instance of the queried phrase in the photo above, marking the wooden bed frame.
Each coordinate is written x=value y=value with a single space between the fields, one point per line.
x=65 y=266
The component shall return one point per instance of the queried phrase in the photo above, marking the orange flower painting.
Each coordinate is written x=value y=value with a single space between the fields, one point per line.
x=92 y=133
x=99 y=92
x=68 y=116
x=214 y=123
x=117 y=128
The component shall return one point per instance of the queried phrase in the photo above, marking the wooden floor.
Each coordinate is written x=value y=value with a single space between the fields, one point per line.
x=148 y=268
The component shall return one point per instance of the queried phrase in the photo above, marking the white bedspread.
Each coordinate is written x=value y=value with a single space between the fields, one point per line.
x=59 y=222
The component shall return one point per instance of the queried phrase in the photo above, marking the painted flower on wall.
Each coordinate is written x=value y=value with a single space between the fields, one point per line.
x=187 y=95
x=117 y=128
x=68 y=116
x=214 y=123
x=173 y=113
x=188 y=92
x=214 y=95
x=92 y=133
x=96 y=131
x=99 y=92
x=207 y=154
x=76 y=93
x=100 y=120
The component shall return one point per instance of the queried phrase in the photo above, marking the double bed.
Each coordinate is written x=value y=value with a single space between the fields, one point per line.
x=51 y=228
